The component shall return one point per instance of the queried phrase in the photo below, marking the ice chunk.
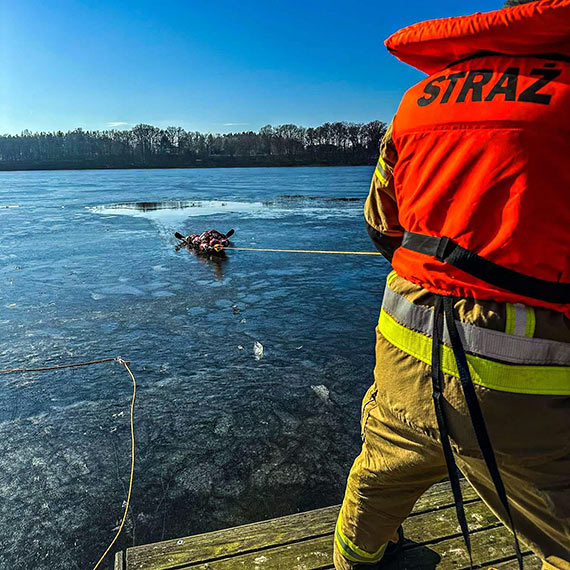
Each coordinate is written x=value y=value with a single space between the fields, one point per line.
x=257 y=350
x=121 y=290
x=322 y=392
x=162 y=294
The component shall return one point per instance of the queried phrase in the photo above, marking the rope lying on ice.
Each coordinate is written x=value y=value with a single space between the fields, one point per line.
x=304 y=251
x=184 y=242
x=125 y=363
x=60 y=366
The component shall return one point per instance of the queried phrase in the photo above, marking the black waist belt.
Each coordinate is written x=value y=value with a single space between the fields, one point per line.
x=446 y=250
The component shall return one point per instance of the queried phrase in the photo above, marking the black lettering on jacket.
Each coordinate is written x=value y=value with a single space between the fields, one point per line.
x=452 y=78
x=507 y=85
x=474 y=83
x=531 y=94
x=432 y=90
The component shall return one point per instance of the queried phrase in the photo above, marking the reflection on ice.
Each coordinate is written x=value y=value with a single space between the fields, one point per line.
x=216 y=262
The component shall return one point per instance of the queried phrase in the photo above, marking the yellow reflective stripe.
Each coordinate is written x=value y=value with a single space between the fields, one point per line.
x=510 y=318
x=344 y=551
x=391 y=276
x=350 y=551
x=521 y=379
x=530 y=322
x=380 y=177
x=486 y=343
x=382 y=172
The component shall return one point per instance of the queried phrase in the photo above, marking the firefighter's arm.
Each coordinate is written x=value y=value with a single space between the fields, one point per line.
x=381 y=210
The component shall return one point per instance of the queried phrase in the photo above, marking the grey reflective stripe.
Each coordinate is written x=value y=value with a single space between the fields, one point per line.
x=346 y=548
x=520 y=319
x=483 y=342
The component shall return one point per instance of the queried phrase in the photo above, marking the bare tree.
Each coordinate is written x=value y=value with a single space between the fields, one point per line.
x=146 y=145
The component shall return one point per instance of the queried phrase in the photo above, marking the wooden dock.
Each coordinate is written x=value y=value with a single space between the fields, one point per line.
x=304 y=542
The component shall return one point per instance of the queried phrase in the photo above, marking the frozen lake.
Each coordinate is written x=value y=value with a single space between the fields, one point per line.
x=89 y=270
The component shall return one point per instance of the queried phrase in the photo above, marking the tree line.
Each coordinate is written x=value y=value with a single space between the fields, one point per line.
x=145 y=146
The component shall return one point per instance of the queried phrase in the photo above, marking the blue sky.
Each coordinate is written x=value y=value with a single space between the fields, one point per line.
x=209 y=65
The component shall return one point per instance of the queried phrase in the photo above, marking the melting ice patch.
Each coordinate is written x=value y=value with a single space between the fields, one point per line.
x=179 y=210
x=174 y=211
x=168 y=216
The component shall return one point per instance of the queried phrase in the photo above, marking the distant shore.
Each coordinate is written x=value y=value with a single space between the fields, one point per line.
x=145 y=146
x=86 y=165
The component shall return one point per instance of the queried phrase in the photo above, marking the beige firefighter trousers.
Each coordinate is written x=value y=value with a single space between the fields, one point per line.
x=401 y=454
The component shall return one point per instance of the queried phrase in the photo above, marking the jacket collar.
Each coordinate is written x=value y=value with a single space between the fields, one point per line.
x=534 y=28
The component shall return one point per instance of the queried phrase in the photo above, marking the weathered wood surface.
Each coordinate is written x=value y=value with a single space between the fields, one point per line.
x=304 y=542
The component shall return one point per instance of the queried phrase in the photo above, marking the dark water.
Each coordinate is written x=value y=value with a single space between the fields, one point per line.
x=89 y=270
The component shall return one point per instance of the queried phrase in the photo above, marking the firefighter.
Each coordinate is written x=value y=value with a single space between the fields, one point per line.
x=470 y=203
x=208 y=243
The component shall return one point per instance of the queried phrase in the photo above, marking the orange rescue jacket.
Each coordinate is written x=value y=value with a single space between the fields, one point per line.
x=482 y=179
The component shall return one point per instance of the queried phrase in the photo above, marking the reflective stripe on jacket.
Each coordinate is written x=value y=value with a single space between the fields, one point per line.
x=510 y=361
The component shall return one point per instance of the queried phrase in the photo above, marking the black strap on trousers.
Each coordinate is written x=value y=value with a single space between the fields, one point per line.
x=444 y=308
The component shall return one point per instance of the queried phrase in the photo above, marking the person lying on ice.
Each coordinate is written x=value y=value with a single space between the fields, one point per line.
x=470 y=203
x=210 y=241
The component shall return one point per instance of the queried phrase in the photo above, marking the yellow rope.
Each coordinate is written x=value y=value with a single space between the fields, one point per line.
x=128 y=502
x=132 y=473
x=304 y=251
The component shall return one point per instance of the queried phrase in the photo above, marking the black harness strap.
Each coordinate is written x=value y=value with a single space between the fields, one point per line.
x=437 y=383
x=477 y=419
x=444 y=307
x=446 y=250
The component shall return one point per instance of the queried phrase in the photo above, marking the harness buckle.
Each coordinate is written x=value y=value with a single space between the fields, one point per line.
x=444 y=248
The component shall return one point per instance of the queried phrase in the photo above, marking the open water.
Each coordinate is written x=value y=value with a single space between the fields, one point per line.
x=89 y=270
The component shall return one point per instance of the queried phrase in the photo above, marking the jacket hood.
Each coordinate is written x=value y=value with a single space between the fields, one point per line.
x=535 y=28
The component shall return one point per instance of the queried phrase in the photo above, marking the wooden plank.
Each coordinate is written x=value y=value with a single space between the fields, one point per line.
x=171 y=553
x=433 y=526
x=119 y=561
x=422 y=528
x=308 y=555
x=489 y=546
x=531 y=562
x=440 y=496
x=275 y=532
